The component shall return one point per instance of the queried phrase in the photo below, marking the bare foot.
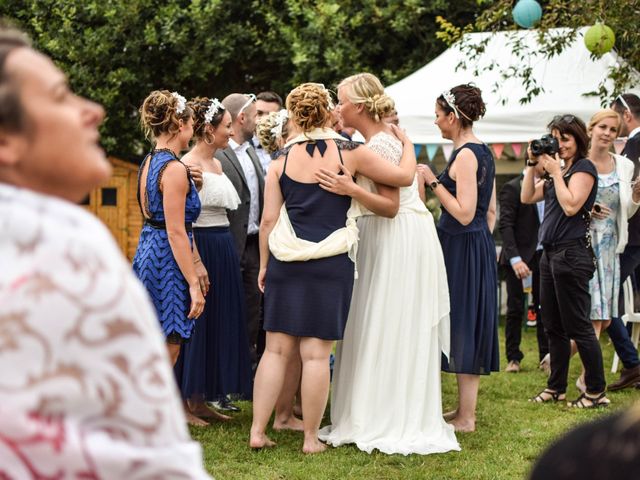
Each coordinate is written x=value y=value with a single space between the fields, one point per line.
x=200 y=409
x=260 y=440
x=450 y=415
x=195 y=421
x=212 y=415
x=462 y=425
x=313 y=446
x=292 y=423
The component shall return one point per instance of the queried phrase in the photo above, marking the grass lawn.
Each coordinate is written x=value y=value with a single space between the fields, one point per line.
x=511 y=433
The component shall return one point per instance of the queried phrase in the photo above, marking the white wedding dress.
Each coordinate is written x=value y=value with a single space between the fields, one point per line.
x=386 y=381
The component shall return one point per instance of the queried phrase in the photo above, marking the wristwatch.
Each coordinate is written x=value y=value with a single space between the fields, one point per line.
x=433 y=185
x=531 y=164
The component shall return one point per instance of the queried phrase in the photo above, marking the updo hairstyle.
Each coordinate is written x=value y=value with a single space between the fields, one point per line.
x=200 y=106
x=366 y=89
x=467 y=102
x=159 y=114
x=601 y=115
x=309 y=106
x=267 y=138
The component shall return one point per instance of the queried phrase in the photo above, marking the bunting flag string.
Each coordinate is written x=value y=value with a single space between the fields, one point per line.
x=432 y=149
x=418 y=149
x=517 y=149
x=498 y=149
x=447 y=148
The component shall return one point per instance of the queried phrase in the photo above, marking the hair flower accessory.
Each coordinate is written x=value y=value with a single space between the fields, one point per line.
x=450 y=98
x=214 y=107
x=182 y=102
x=281 y=120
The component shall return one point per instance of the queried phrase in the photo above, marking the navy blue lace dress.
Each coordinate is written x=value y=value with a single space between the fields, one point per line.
x=470 y=258
x=154 y=263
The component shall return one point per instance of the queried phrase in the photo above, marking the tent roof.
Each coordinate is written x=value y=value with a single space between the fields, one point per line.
x=565 y=77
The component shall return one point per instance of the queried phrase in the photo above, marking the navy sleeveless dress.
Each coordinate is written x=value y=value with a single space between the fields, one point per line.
x=470 y=258
x=154 y=263
x=311 y=298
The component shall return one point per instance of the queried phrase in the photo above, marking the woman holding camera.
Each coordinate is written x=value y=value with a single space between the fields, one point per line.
x=567 y=262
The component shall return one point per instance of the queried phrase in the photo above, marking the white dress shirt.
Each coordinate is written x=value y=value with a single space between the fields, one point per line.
x=263 y=156
x=251 y=177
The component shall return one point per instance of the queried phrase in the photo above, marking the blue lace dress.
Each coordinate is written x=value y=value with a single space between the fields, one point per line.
x=470 y=258
x=154 y=263
x=605 y=283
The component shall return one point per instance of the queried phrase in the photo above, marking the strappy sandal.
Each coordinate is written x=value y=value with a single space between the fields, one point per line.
x=585 y=401
x=551 y=396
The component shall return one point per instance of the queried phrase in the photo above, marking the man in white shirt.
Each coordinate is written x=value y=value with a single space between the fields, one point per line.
x=266 y=102
x=241 y=164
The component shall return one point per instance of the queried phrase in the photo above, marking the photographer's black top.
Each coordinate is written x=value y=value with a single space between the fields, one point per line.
x=556 y=226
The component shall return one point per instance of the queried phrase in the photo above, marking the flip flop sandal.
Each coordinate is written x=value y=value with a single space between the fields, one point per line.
x=585 y=401
x=550 y=396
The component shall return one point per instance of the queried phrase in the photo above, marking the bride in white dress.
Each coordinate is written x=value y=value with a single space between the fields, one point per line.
x=386 y=382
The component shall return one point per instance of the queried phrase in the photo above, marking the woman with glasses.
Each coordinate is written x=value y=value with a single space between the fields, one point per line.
x=466 y=190
x=308 y=244
x=567 y=262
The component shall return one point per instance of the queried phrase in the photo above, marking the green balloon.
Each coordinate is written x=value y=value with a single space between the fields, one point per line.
x=599 y=39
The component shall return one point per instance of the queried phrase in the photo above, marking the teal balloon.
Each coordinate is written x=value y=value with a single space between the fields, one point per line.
x=527 y=13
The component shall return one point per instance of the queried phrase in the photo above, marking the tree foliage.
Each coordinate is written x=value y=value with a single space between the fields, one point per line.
x=116 y=51
x=621 y=15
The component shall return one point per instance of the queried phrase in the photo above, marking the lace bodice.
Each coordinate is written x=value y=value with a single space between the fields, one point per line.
x=390 y=148
x=216 y=196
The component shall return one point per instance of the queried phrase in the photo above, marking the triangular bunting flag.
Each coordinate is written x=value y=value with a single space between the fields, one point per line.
x=498 y=148
x=432 y=149
x=517 y=149
x=619 y=144
x=447 y=148
x=418 y=149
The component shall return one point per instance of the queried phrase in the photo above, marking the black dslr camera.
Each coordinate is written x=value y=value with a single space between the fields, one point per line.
x=546 y=144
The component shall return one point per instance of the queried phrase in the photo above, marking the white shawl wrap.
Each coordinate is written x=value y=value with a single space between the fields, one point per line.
x=285 y=245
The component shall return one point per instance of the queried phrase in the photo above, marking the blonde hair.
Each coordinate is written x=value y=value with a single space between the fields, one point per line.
x=159 y=114
x=264 y=131
x=309 y=106
x=601 y=115
x=366 y=89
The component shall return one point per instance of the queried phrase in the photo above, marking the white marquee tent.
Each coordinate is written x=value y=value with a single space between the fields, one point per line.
x=564 y=77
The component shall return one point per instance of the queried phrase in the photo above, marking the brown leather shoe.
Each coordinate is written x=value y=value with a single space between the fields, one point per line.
x=628 y=378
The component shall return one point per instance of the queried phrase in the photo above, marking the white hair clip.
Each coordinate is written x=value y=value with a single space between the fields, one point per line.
x=450 y=98
x=281 y=120
x=214 y=107
x=182 y=102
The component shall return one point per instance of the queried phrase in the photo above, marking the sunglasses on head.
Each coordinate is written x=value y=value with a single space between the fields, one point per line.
x=564 y=119
x=251 y=98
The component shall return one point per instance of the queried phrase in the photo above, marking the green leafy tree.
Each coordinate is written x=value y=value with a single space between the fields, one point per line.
x=621 y=15
x=117 y=51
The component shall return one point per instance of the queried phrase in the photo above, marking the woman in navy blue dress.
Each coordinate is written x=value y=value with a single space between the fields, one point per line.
x=169 y=202
x=306 y=268
x=466 y=190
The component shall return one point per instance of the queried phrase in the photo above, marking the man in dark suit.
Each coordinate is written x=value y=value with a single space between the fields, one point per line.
x=520 y=255
x=628 y=107
x=241 y=164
